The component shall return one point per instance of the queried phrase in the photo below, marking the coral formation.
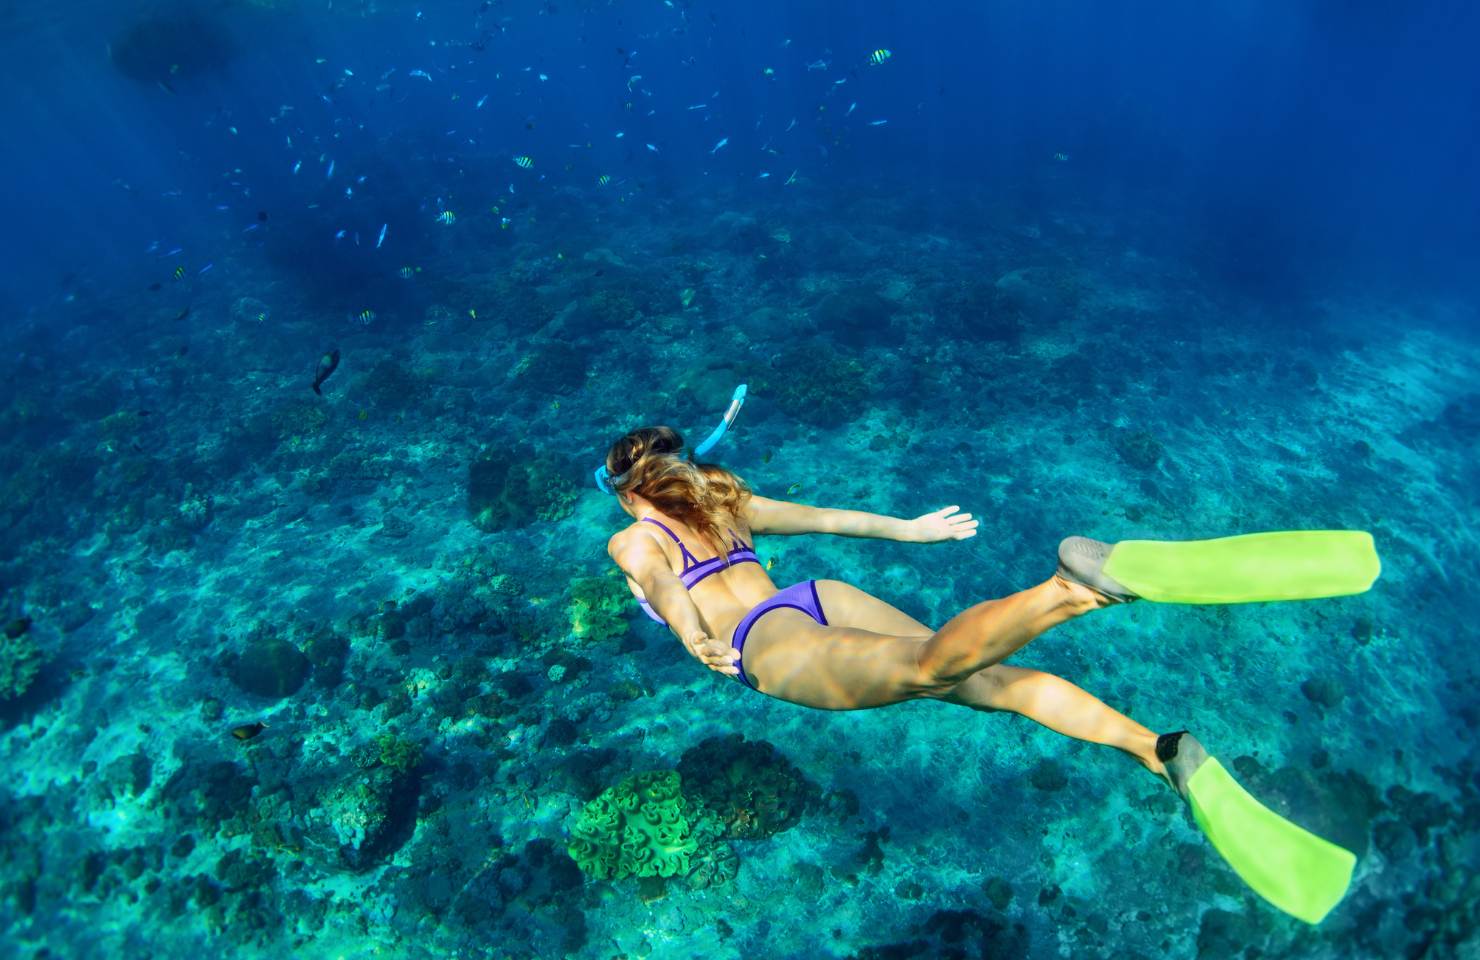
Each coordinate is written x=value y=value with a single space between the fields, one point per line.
x=642 y=827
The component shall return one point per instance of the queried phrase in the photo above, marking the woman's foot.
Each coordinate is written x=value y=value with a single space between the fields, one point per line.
x=1082 y=561
x=1180 y=755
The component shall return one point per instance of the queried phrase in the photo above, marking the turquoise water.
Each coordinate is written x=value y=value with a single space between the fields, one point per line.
x=404 y=578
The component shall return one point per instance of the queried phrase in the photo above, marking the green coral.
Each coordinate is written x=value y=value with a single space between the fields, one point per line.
x=599 y=608
x=20 y=661
x=642 y=827
x=396 y=753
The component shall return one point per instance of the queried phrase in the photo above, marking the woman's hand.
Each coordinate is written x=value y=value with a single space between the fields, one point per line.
x=942 y=524
x=712 y=653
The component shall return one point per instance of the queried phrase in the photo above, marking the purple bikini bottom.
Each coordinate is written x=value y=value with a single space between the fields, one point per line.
x=800 y=596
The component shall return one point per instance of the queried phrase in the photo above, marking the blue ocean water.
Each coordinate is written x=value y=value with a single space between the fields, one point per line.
x=327 y=658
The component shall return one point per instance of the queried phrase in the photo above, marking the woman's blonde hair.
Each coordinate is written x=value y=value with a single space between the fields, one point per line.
x=705 y=496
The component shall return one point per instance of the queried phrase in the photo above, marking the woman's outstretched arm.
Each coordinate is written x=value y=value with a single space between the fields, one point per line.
x=782 y=518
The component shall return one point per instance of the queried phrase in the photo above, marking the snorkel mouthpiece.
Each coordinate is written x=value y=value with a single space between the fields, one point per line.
x=606 y=483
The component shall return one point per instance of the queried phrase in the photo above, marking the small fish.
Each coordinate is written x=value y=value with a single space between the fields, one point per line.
x=523 y=162
x=504 y=222
x=768 y=72
x=651 y=147
x=297 y=165
x=447 y=217
x=408 y=272
x=261 y=316
x=349 y=193
x=154 y=285
x=205 y=269
x=481 y=101
x=1062 y=157
x=365 y=317
x=794 y=488
x=473 y=312
x=770 y=562
x=182 y=314
x=179 y=273
x=543 y=78
x=851 y=107
x=877 y=123
x=764 y=175
x=699 y=106
x=330 y=174
x=766 y=457
x=723 y=142
x=248 y=730
x=880 y=56
x=328 y=363
x=261 y=216
x=339 y=235
x=423 y=74
x=251 y=226
x=381 y=239
x=791 y=179
x=817 y=65
x=603 y=180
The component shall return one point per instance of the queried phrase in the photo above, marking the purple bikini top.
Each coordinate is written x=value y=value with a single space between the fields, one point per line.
x=695 y=569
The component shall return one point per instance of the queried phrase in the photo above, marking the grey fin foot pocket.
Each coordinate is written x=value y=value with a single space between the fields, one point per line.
x=1082 y=561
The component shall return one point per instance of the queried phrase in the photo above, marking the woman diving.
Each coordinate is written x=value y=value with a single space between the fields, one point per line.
x=689 y=560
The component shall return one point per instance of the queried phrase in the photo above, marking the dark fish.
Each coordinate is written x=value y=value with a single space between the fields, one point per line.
x=248 y=730
x=261 y=216
x=145 y=413
x=184 y=349
x=182 y=314
x=327 y=365
x=17 y=628
x=154 y=285
x=165 y=86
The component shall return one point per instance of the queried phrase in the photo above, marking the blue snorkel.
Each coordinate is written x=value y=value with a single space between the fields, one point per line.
x=607 y=484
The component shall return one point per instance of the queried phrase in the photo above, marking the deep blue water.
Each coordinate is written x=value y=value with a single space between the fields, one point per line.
x=1132 y=272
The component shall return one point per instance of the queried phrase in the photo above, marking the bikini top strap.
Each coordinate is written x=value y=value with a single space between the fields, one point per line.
x=688 y=558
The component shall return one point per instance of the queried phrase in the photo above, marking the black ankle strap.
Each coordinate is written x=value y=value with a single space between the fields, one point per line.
x=1166 y=745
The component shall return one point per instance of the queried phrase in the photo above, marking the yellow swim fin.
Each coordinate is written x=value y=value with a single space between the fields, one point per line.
x=1287 y=865
x=1254 y=567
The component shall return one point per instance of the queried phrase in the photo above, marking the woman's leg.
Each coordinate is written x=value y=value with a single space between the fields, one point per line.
x=789 y=656
x=993 y=630
x=1058 y=705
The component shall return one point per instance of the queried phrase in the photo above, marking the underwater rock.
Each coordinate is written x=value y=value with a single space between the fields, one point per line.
x=749 y=786
x=957 y=935
x=1323 y=692
x=1048 y=775
x=516 y=488
x=206 y=795
x=327 y=651
x=815 y=384
x=998 y=892
x=551 y=367
x=269 y=666
x=1137 y=448
x=529 y=898
x=858 y=317
x=20 y=662
x=365 y=817
x=168 y=48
